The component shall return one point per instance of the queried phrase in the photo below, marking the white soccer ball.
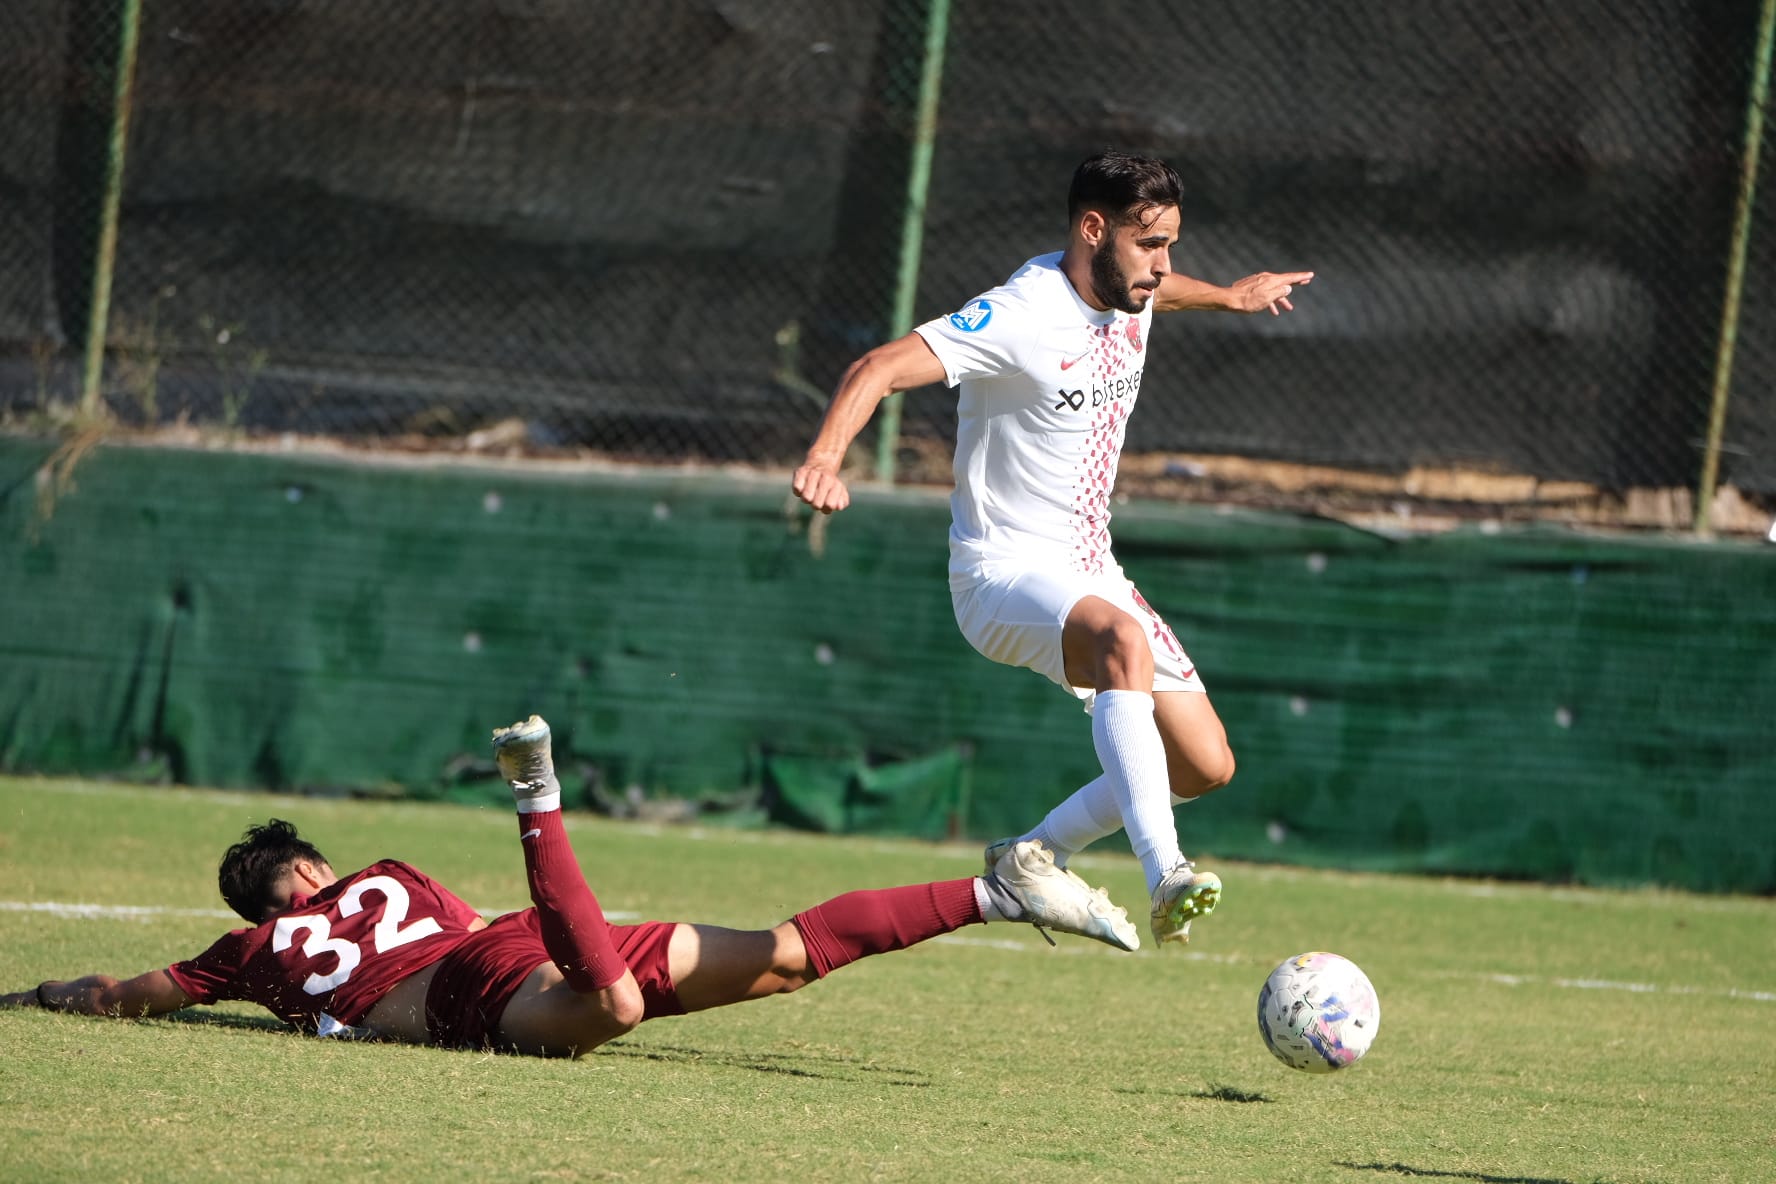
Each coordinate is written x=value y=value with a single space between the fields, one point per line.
x=1318 y=1012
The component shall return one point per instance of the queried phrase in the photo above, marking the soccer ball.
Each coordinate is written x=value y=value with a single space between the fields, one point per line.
x=1318 y=1012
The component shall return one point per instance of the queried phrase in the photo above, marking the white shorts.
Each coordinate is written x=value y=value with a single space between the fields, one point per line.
x=1014 y=615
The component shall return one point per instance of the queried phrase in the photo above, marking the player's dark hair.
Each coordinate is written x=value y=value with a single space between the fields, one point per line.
x=1120 y=186
x=252 y=868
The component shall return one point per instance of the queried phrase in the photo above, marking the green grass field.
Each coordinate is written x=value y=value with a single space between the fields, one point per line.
x=1528 y=1034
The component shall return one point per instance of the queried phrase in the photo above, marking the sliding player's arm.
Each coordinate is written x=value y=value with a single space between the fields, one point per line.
x=1255 y=293
x=900 y=365
x=153 y=993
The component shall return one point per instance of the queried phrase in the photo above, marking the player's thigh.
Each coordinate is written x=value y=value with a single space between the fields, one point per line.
x=1015 y=615
x=1105 y=647
x=547 y=1017
x=1198 y=756
x=713 y=967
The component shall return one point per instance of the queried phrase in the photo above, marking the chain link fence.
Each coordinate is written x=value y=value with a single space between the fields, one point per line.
x=660 y=231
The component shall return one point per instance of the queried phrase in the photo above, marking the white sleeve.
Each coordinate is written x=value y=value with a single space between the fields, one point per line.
x=987 y=337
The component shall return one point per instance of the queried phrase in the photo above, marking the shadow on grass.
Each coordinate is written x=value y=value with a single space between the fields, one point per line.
x=1406 y=1169
x=1214 y=1093
x=1229 y=1093
x=826 y=1068
x=210 y=1019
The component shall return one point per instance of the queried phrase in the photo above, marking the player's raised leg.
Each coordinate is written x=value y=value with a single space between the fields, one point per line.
x=588 y=995
x=1198 y=760
x=1106 y=648
x=713 y=967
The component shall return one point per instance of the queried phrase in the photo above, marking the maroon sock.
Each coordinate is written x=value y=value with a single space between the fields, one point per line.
x=859 y=924
x=574 y=929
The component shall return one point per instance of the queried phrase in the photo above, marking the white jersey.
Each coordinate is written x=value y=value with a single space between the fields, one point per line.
x=1048 y=383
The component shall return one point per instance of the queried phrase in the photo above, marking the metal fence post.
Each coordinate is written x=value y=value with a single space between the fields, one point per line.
x=1729 y=328
x=129 y=19
x=912 y=231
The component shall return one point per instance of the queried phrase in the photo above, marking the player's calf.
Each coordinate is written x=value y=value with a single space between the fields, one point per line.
x=573 y=927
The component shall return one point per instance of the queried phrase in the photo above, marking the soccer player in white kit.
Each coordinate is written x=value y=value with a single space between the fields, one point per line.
x=1049 y=366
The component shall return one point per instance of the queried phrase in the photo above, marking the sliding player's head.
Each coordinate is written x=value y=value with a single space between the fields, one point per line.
x=1125 y=211
x=262 y=873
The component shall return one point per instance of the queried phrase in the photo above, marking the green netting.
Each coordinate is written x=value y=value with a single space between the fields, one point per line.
x=372 y=220
x=1521 y=704
x=922 y=796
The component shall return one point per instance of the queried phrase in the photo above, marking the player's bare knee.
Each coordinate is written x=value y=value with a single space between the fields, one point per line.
x=1218 y=773
x=791 y=966
x=608 y=1013
x=623 y=1006
x=1203 y=774
x=790 y=979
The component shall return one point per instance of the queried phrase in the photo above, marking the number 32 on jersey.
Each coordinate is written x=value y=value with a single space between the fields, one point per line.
x=390 y=932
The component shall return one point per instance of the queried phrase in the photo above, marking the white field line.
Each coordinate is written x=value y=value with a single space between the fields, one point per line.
x=1072 y=947
x=1601 y=984
x=107 y=912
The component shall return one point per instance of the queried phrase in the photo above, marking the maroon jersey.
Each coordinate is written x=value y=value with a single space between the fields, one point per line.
x=330 y=957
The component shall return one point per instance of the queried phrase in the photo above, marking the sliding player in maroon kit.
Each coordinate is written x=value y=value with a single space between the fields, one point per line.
x=389 y=953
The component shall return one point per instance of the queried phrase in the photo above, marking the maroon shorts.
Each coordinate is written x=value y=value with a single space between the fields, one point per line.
x=475 y=981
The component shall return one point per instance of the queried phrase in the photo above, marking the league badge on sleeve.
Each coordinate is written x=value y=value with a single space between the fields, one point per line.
x=974 y=317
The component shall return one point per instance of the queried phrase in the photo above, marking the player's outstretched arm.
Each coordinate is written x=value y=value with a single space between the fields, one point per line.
x=900 y=365
x=1255 y=293
x=153 y=993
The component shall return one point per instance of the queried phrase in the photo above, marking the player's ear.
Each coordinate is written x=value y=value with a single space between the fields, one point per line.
x=1093 y=226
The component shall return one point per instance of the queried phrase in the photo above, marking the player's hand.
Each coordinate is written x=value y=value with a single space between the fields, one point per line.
x=1269 y=290
x=821 y=487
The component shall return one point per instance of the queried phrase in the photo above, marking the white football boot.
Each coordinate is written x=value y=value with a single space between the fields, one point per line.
x=522 y=752
x=1051 y=897
x=1182 y=896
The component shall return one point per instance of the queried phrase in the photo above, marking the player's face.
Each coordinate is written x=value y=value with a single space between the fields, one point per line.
x=1133 y=256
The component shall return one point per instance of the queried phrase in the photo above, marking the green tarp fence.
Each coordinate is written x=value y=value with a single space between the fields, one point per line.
x=1511 y=703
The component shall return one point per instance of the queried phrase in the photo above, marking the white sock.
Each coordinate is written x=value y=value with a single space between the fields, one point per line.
x=1090 y=814
x=1086 y=816
x=990 y=910
x=1134 y=760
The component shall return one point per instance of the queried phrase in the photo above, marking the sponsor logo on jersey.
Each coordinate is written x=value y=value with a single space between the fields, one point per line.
x=1069 y=363
x=974 y=317
x=1111 y=390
